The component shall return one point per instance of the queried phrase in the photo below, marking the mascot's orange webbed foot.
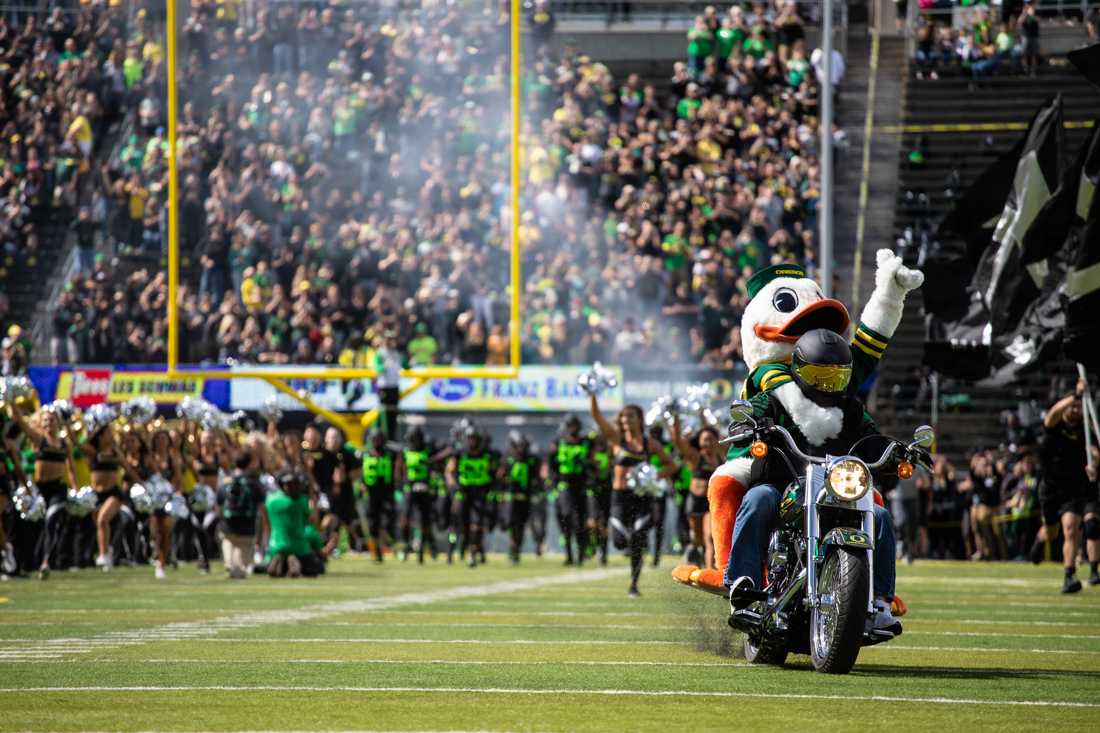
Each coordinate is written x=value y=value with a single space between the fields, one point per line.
x=709 y=580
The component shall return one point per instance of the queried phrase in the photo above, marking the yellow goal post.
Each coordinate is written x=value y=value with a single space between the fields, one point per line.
x=176 y=370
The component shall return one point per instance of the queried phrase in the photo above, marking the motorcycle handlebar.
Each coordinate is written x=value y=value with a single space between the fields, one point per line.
x=887 y=454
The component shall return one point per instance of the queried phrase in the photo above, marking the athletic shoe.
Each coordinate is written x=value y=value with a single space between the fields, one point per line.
x=884 y=620
x=1094 y=578
x=738 y=592
x=1038 y=550
x=237 y=574
x=293 y=567
x=159 y=573
x=103 y=561
x=204 y=567
x=8 y=565
x=633 y=592
x=1072 y=585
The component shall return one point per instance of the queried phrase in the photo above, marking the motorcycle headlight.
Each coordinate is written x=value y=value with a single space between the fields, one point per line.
x=848 y=480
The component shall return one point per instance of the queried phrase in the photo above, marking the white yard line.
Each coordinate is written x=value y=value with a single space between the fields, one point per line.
x=454 y=662
x=207 y=628
x=555 y=692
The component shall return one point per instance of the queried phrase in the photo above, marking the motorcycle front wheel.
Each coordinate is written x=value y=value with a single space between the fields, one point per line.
x=765 y=652
x=837 y=623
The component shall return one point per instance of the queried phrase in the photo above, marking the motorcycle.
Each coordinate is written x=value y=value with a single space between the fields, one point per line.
x=819 y=597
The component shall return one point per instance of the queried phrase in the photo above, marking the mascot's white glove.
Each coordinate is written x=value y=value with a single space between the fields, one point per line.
x=893 y=280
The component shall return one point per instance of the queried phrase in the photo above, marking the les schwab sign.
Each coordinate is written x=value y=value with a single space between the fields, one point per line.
x=87 y=387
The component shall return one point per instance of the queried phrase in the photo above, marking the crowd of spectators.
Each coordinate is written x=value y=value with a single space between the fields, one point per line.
x=979 y=40
x=344 y=175
x=992 y=506
x=60 y=90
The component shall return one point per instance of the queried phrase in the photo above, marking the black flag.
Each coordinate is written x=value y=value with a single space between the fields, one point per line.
x=993 y=220
x=1060 y=235
x=1087 y=61
x=1082 y=304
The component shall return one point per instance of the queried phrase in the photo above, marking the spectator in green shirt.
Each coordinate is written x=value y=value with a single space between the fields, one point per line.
x=687 y=107
x=700 y=44
x=732 y=34
x=422 y=347
x=758 y=44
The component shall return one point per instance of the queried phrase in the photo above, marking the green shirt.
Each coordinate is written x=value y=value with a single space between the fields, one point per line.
x=729 y=39
x=416 y=465
x=422 y=350
x=687 y=107
x=289 y=519
x=132 y=71
x=377 y=469
x=474 y=470
x=571 y=459
x=700 y=42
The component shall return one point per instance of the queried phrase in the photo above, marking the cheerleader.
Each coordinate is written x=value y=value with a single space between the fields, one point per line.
x=703 y=455
x=105 y=471
x=214 y=457
x=53 y=473
x=631 y=514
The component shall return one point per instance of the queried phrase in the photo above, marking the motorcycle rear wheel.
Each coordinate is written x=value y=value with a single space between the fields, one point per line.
x=768 y=652
x=837 y=625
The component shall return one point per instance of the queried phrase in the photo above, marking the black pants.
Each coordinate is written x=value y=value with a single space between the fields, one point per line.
x=469 y=509
x=631 y=520
x=381 y=513
x=421 y=506
x=537 y=517
x=572 y=510
x=54 y=529
x=519 y=509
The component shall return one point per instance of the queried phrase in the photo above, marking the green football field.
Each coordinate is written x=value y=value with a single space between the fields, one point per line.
x=534 y=647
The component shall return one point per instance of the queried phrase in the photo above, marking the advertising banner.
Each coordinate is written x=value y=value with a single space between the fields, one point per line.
x=339 y=395
x=85 y=386
x=538 y=389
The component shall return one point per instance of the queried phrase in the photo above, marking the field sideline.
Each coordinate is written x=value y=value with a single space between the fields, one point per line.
x=538 y=647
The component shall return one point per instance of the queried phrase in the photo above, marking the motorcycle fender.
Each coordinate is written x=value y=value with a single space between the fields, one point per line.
x=848 y=538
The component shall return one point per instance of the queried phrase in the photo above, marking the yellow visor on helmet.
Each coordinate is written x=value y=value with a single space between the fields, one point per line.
x=828 y=378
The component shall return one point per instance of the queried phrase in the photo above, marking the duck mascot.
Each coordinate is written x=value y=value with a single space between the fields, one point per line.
x=784 y=304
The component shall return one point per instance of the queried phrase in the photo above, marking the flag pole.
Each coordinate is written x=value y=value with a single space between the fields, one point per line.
x=825 y=204
x=1092 y=426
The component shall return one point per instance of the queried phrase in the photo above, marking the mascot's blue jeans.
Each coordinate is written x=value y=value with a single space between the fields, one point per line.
x=757 y=519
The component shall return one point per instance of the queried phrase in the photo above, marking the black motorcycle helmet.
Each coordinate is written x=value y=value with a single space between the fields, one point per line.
x=822 y=366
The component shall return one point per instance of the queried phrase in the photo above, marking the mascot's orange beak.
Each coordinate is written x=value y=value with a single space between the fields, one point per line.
x=825 y=313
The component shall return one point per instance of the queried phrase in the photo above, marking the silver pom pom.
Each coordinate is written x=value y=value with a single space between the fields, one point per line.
x=644 y=480
x=241 y=421
x=139 y=410
x=323 y=504
x=270 y=409
x=269 y=483
x=98 y=417
x=160 y=491
x=142 y=499
x=81 y=502
x=597 y=380
x=177 y=507
x=29 y=503
x=202 y=499
x=698 y=396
